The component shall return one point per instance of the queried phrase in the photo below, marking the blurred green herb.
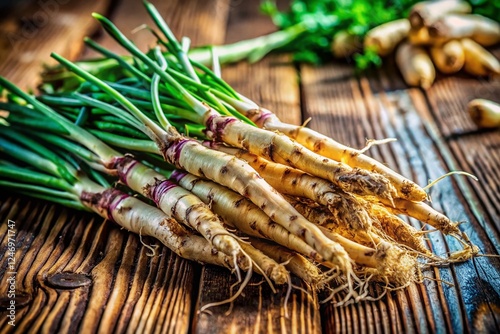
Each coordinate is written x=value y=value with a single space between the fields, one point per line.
x=488 y=8
x=357 y=17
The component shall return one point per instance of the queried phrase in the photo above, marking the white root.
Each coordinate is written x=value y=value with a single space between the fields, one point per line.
x=485 y=113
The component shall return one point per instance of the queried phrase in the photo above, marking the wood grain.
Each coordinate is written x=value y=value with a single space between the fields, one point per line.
x=258 y=310
x=28 y=36
x=210 y=17
x=271 y=83
x=129 y=290
x=352 y=109
x=76 y=273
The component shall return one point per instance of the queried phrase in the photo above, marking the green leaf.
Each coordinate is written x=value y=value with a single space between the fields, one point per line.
x=326 y=17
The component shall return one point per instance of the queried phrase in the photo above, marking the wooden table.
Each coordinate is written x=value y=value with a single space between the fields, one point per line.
x=111 y=285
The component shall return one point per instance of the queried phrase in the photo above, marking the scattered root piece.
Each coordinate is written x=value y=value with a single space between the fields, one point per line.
x=415 y=65
x=384 y=38
x=425 y=13
x=420 y=37
x=479 y=28
x=485 y=113
x=345 y=44
x=478 y=60
x=449 y=58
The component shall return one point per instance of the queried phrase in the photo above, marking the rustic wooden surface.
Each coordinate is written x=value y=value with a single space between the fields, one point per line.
x=78 y=273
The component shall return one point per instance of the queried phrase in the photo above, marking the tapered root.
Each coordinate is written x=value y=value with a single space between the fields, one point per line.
x=394 y=228
x=327 y=147
x=294 y=182
x=267 y=265
x=241 y=213
x=297 y=264
x=281 y=149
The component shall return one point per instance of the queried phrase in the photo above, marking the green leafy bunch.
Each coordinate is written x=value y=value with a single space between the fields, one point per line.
x=488 y=8
x=327 y=17
x=357 y=17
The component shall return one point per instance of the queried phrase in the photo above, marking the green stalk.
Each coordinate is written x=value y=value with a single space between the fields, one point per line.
x=56 y=196
x=59 y=101
x=33 y=177
x=65 y=182
x=83 y=116
x=252 y=49
x=34 y=145
x=117 y=112
x=223 y=86
x=141 y=93
x=111 y=119
x=168 y=110
x=180 y=77
x=68 y=146
x=156 y=131
x=20 y=153
x=191 y=130
x=178 y=51
x=126 y=142
x=155 y=95
x=181 y=54
x=125 y=117
x=97 y=66
x=56 y=187
x=118 y=128
x=107 y=53
x=27 y=117
x=38 y=189
x=171 y=106
x=75 y=132
x=238 y=104
x=127 y=44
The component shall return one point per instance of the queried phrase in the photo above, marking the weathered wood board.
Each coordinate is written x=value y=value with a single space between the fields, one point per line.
x=75 y=272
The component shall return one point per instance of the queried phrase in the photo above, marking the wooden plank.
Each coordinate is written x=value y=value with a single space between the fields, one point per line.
x=272 y=83
x=379 y=106
x=130 y=291
x=210 y=19
x=28 y=36
x=258 y=310
x=456 y=200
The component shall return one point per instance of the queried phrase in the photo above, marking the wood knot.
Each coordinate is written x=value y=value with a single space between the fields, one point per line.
x=68 y=280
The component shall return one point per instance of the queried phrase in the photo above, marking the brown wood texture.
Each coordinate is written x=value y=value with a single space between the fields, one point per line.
x=352 y=109
x=29 y=34
x=272 y=83
x=78 y=273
